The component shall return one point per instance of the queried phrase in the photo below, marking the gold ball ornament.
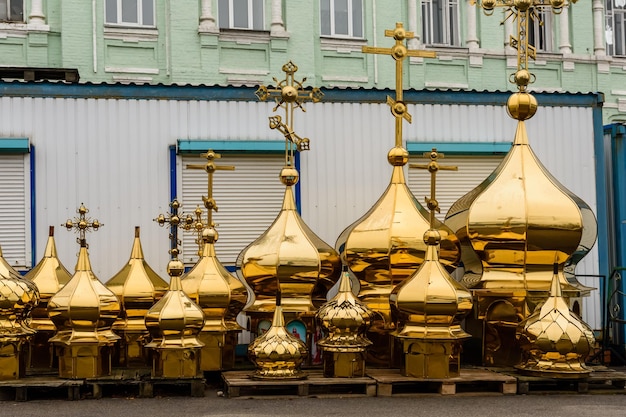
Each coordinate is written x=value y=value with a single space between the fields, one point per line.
x=175 y=268
x=432 y=237
x=289 y=176
x=521 y=106
x=522 y=5
x=289 y=94
x=398 y=156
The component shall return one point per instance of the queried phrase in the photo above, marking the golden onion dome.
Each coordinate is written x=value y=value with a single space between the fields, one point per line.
x=517 y=222
x=18 y=295
x=220 y=295
x=175 y=320
x=84 y=309
x=385 y=246
x=554 y=341
x=345 y=319
x=138 y=287
x=49 y=275
x=431 y=304
x=288 y=257
x=276 y=353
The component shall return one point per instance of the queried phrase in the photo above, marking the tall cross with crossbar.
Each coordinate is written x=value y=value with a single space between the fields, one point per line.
x=433 y=167
x=398 y=52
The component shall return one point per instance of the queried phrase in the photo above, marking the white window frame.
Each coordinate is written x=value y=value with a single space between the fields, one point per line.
x=119 y=19
x=541 y=33
x=332 y=27
x=450 y=23
x=231 y=16
x=615 y=11
x=7 y=10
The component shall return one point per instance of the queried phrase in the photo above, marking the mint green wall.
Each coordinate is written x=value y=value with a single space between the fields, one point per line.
x=177 y=53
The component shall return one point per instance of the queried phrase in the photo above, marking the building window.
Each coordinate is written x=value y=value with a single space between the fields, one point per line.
x=342 y=18
x=440 y=22
x=540 y=30
x=241 y=14
x=130 y=12
x=616 y=27
x=11 y=10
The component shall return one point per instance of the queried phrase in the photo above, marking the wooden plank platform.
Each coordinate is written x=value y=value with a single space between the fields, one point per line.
x=239 y=384
x=601 y=380
x=391 y=382
x=23 y=386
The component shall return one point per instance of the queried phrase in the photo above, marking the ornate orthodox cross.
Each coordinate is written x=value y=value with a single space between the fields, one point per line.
x=398 y=52
x=174 y=220
x=289 y=94
x=82 y=224
x=433 y=167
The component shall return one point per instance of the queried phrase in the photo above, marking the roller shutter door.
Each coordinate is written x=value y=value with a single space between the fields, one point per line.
x=15 y=210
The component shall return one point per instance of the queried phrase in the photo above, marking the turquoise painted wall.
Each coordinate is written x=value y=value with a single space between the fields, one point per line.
x=175 y=52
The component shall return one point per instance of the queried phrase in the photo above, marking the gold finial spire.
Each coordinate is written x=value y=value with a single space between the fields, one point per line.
x=433 y=166
x=398 y=52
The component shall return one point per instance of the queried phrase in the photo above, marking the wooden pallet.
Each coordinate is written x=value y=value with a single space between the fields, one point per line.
x=239 y=384
x=601 y=380
x=23 y=386
x=391 y=382
x=143 y=384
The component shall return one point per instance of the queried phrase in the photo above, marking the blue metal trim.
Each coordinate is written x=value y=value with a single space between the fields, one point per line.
x=601 y=192
x=33 y=208
x=298 y=189
x=464 y=148
x=173 y=185
x=14 y=145
x=193 y=146
x=212 y=93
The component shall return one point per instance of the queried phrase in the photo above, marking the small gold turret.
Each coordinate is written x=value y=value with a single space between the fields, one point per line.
x=276 y=353
x=83 y=312
x=18 y=297
x=175 y=321
x=345 y=319
x=554 y=341
x=138 y=287
x=49 y=275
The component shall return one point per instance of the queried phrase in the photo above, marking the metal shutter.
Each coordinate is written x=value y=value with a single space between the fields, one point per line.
x=15 y=210
x=248 y=200
x=451 y=185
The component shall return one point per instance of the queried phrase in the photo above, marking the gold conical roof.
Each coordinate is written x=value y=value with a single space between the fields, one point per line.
x=277 y=354
x=385 y=246
x=84 y=309
x=220 y=295
x=175 y=320
x=288 y=257
x=554 y=340
x=49 y=275
x=345 y=319
x=516 y=222
x=138 y=287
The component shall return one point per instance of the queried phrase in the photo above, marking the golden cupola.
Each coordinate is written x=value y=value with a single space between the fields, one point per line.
x=220 y=295
x=345 y=320
x=277 y=354
x=175 y=321
x=554 y=341
x=519 y=221
x=431 y=305
x=138 y=287
x=83 y=312
x=18 y=297
x=288 y=257
x=49 y=275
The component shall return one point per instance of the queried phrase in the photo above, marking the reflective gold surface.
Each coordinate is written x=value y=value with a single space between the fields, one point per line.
x=49 y=275
x=138 y=287
x=83 y=312
x=18 y=297
x=276 y=353
x=345 y=319
x=554 y=341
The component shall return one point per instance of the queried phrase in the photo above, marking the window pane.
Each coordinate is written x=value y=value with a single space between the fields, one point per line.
x=341 y=17
x=357 y=18
x=325 y=16
x=619 y=34
x=257 y=14
x=129 y=11
x=240 y=14
x=17 y=11
x=147 y=12
x=3 y=10
x=222 y=10
x=111 y=11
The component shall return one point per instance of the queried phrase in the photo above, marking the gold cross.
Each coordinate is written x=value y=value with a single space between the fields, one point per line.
x=174 y=221
x=301 y=143
x=398 y=52
x=433 y=166
x=82 y=224
x=210 y=167
x=198 y=227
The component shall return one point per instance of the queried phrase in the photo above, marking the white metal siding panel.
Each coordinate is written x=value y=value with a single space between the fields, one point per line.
x=15 y=210
x=248 y=201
